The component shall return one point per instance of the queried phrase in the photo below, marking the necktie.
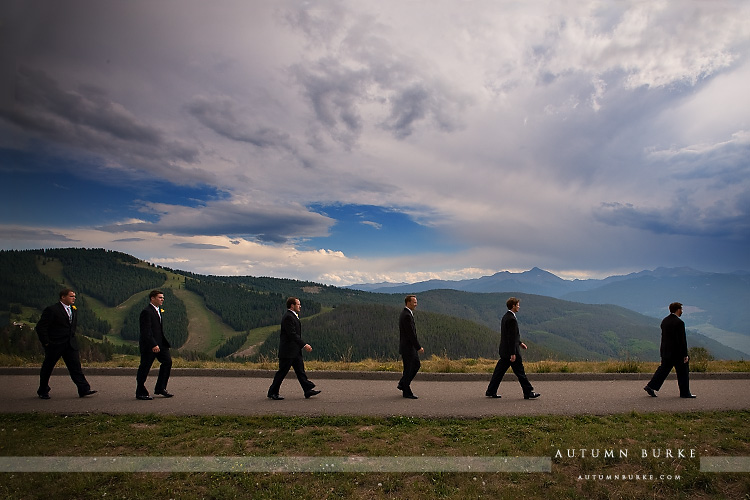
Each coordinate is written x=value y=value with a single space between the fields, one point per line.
x=70 y=313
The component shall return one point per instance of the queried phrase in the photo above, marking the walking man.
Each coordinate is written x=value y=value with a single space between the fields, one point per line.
x=510 y=354
x=408 y=346
x=57 y=333
x=153 y=345
x=674 y=353
x=290 y=352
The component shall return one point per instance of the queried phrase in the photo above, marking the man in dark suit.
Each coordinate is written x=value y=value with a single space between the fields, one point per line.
x=408 y=346
x=674 y=353
x=153 y=345
x=57 y=333
x=290 y=352
x=510 y=354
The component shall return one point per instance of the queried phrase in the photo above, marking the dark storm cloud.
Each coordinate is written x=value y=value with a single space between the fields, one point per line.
x=19 y=234
x=276 y=224
x=721 y=220
x=365 y=68
x=219 y=115
x=334 y=91
x=87 y=120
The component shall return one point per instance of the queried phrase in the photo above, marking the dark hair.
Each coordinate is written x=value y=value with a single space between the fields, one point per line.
x=65 y=292
x=512 y=302
x=674 y=307
x=290 y=302
x=154 y=293
x=407 y=299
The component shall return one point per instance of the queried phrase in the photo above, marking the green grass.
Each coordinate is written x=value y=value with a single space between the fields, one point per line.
x=709 y=434
x=206 y=330
x=53 y=269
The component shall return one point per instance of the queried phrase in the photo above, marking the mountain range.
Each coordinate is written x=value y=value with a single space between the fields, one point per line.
x=715 y=303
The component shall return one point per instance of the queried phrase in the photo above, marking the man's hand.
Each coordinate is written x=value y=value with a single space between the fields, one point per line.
x=512 y=358
x=155 y=349
x=523 y=346
x=307 y=348
x=421 y=350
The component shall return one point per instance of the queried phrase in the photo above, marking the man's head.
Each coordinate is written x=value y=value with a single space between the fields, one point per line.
x=293 y=304
x=411 y=301
x=67 y=296
x=675 y=308
x=513 y=304
x=156 y=297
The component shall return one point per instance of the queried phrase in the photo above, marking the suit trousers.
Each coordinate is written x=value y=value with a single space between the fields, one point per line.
x=681 y=369
x=411 y=367
x=72 y=360
x=502 y=366
x=147 y=359
x=299 y=369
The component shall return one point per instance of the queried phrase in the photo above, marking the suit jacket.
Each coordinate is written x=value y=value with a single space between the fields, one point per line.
x=54 y=327
x=407 y=332
x=290 y=342
x=510 y=336
x=152 y=331
x=673 y=339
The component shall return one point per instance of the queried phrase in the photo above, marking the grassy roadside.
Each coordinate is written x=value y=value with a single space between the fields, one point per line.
x=709 y=434
x=433 y=364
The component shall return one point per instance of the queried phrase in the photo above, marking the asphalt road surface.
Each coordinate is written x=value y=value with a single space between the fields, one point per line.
x=444 y=396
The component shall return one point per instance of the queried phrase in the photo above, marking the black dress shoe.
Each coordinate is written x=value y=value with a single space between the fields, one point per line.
x=310 y=393
x=410 y=396
x=164 y=393
x=689 y=396
x=650 y=391
x=494 y=396
x=44 y=396
x=276 y=397
x=87 y=393
x=531 y=395
x=143 y=397
x=400 y=387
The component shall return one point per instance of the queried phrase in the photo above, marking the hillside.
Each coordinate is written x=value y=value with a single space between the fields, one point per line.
x=221 y=316
x=354 y=332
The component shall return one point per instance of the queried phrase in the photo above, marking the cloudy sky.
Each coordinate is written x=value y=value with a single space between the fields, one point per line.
x=351 y=142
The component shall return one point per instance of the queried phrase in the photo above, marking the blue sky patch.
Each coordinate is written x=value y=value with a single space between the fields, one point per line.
x=372 y=231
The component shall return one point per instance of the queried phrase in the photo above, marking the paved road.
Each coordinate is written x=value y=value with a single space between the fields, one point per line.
x=439 y=396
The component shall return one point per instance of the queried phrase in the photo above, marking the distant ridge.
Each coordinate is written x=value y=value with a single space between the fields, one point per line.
x=713 y=300
x=535 y=280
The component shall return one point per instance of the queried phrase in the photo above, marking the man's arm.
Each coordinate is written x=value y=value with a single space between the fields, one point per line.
x=42 y=327
x=147 y=332
x=683 y=342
